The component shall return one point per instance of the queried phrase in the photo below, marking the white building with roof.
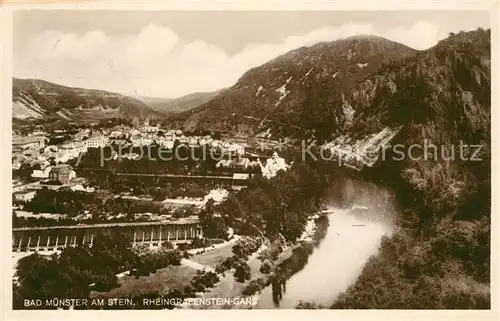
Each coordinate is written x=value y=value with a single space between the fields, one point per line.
x=97 y=141
x=24 y=195
x=273 y=166
x=41 y=173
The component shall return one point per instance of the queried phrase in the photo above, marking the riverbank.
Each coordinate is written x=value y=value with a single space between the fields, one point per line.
x=292 y=259
x=318 y=272
x=228 y=287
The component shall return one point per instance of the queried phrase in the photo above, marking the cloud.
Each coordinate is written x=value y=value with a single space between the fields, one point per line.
x=156 y=62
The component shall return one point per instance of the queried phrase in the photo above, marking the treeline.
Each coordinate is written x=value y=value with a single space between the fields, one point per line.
x=72 y=204
x=180 y=160
x=156 y=188
x=67 y=202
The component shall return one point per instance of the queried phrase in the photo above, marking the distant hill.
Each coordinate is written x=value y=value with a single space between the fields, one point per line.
x=39 y=99
x=177 y=105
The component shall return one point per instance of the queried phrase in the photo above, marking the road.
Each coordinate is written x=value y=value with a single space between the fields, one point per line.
x=196 y=265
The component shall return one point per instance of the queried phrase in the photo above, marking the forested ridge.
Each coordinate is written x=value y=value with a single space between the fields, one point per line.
x=440 y=255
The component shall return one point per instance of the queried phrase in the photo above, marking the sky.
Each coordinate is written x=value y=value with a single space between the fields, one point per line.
x=170 y=54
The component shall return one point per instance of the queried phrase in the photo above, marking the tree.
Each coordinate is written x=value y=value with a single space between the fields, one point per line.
x=213 y=225
x=266 y=267
x=242 y=271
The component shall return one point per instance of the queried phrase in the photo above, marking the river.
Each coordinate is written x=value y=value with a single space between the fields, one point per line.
x=361 y=214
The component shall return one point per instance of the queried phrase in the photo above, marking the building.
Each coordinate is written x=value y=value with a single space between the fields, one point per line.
x=17 y=186
x=62 y=173
x=273 y=166
x=207 y=140
x=119 y=142
x=150 y=129
x=73 y=148
x=241 y=176
x=241 y=163
x=233 y=148
x=25 y=195
x=16 y=164
x=192 y=141
x=169 y=144
x=96 y=141
x=139 y=140
x=116 y=134
x=82 y=134
x=30 y=142
x=41 y=173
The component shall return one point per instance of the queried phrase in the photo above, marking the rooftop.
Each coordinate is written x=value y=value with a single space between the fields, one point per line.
x=26 y=140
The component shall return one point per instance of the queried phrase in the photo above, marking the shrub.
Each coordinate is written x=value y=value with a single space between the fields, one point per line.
x=252 y=288
x=246 y=246
x=242 y=272
x=266 y=267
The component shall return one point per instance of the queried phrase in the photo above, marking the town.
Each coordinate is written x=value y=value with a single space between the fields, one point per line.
x=65 y=197
x=59 y=160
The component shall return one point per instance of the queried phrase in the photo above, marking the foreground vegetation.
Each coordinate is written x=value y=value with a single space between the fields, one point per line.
x=75 y=272
x=439 y=258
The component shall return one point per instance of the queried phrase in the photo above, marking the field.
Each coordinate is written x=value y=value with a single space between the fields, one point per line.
x=213 y=257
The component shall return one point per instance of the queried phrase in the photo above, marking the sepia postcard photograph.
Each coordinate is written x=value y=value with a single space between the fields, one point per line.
x=249 y=159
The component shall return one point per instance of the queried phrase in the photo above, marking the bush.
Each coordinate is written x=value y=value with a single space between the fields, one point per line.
x=308 y=306
x=189 y=290
x=242 y=272
x=266 y=267
x=204 y=280
x=252 y=288
x=167 y=245
x=246 y=246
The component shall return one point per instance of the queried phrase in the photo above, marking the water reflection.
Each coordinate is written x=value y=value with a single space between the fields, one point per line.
x=278 y=285
x=319 y=273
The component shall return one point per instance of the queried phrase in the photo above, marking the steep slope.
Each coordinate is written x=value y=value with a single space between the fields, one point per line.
x=33 y=98
x=440 y=255
x=285 y=94
x=178 y=105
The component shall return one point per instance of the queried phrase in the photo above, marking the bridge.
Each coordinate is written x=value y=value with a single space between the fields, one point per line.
x=53 y=238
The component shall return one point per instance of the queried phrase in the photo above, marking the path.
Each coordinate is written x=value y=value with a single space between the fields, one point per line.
x=196 y=265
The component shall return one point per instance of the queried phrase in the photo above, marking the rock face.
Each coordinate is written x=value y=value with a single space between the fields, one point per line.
x=439 y=97
x=38 y=99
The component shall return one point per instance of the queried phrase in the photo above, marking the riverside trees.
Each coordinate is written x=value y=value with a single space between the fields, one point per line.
x=278 y=205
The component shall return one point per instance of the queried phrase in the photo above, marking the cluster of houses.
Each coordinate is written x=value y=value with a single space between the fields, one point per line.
x=34 y=149
x=50 y=160
x=52 y=177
